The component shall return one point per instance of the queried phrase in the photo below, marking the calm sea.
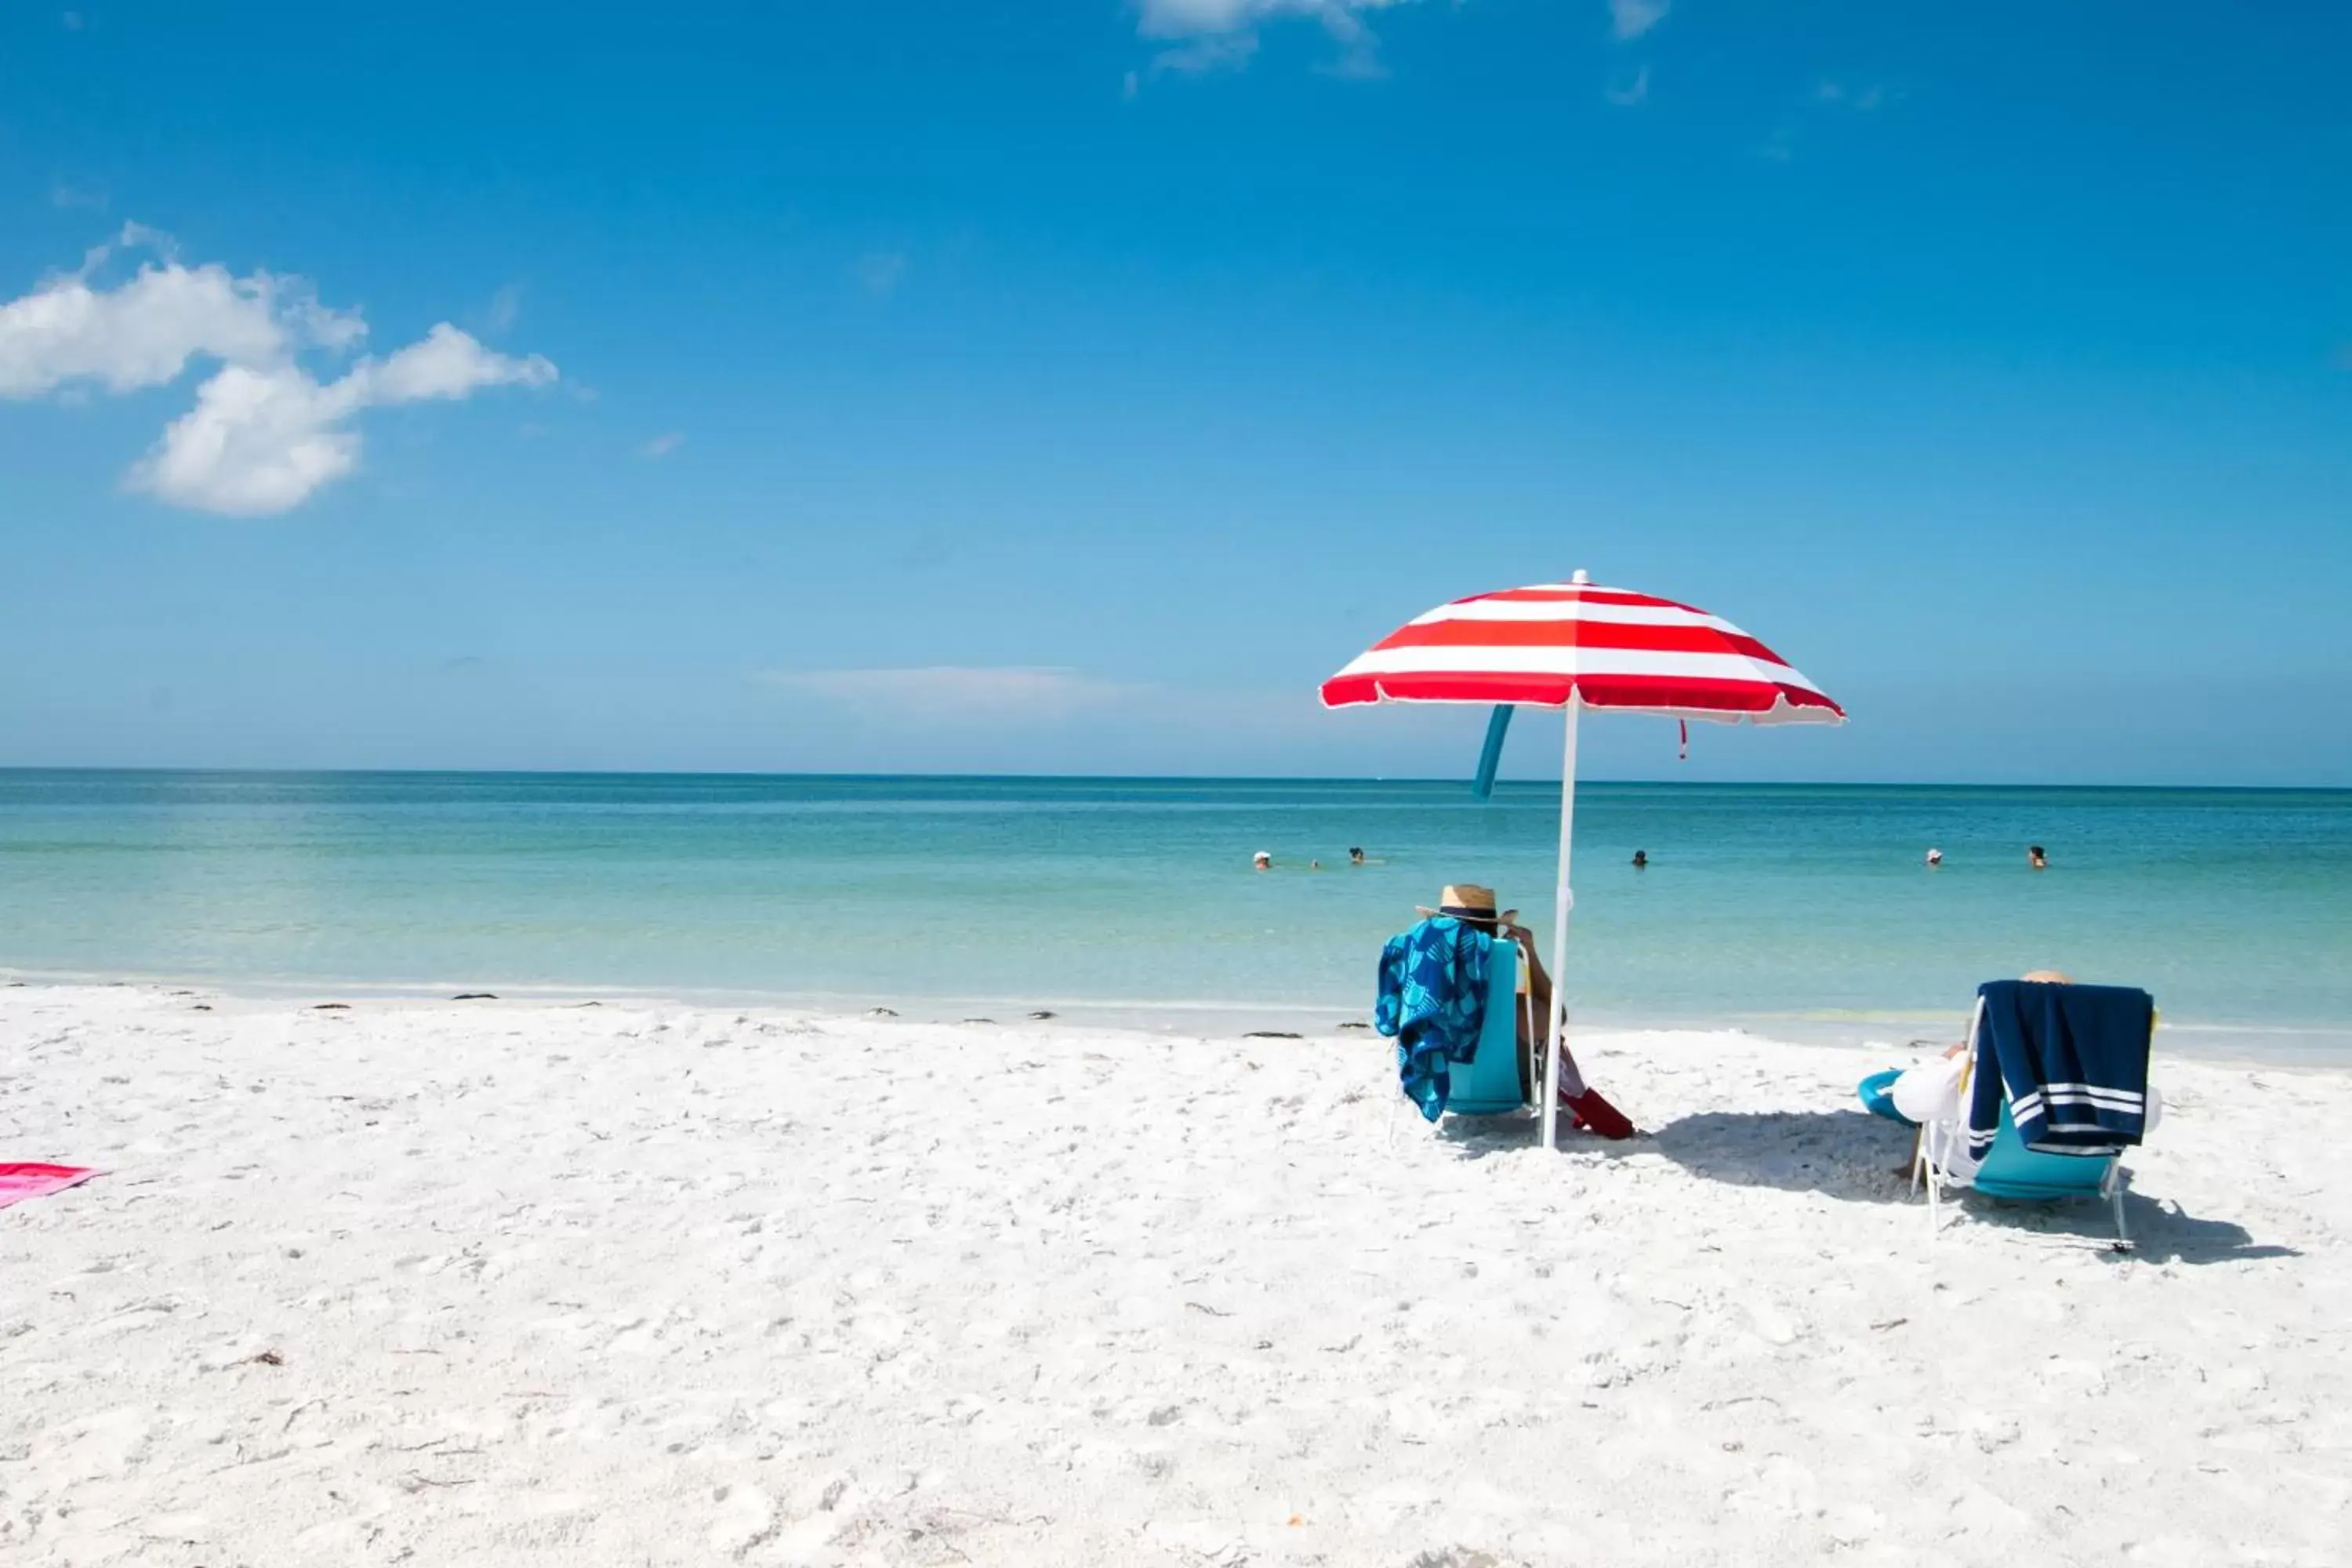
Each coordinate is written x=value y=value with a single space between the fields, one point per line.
x=1784 y=908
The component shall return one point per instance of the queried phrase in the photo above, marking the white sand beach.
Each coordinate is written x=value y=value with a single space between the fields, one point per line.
x=489 y=1283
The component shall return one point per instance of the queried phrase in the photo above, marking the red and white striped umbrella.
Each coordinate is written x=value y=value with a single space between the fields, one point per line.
x=1574 y=645
x=1626 y=652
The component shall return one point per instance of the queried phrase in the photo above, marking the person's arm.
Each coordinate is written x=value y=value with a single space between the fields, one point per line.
x=1572 y=1082
x=1539 y=982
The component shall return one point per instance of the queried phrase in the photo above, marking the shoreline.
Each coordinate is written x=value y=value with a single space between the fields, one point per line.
x=2315 y=1047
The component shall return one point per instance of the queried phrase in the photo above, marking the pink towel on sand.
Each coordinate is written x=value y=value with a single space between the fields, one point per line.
x=18 y=1182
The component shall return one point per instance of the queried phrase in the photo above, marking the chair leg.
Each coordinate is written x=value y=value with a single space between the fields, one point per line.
x=1926 y=1171
x=2115 y=1185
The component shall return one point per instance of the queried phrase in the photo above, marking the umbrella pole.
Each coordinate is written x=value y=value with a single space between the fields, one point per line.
x=1561 y=901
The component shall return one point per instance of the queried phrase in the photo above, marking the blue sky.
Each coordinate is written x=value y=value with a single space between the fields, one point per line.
x=1072 y=386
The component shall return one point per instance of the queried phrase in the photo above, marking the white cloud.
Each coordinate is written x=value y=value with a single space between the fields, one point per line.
x=1211 y=35
x=444 y=363
x=265 y=434
x=939 y=693
x=145 y=331
x=662 y=445
x=262 y=440
x=1189 y=18
x=1215 y=52
x=1360 y=50
x=258 y=441
x=1626 y=93
x=1631 y=18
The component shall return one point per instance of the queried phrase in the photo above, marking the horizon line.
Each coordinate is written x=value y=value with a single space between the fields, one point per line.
x=954 y=777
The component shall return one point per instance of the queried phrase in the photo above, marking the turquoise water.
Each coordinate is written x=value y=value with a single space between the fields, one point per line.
x=1768 y=905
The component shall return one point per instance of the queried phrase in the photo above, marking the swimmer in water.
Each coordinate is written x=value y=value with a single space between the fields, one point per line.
x=1261 y=861
x=2037 y=858
x=1641 y=859
x=1354 y=855
x=1934 y=857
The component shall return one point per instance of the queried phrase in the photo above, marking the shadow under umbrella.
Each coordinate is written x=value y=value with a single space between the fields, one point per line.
x=1843 y=1153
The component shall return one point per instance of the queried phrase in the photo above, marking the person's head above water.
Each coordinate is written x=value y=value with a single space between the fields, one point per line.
x=1472 y=905
x=1641 y=857
x=1934 y=857
x=2036 y=856
x=1261 y=860
x=1355 y=854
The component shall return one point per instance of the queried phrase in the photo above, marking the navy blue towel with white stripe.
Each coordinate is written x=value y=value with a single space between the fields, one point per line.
x=2073 y=1060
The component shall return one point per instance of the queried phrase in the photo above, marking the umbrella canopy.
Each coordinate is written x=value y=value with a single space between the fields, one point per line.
x=1613 y=650
x=1573 y=645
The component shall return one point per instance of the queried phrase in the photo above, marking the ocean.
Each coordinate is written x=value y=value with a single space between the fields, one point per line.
x=1795 y=910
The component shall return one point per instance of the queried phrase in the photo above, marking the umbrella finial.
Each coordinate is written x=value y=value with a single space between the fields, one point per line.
x=1581 y=577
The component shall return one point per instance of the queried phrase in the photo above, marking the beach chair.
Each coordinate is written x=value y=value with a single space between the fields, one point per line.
x=1488 y=1083
x=2010 y=1171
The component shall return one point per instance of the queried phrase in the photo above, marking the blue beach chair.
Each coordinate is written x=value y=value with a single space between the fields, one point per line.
x=2011 y=1170
x=1488 y=1083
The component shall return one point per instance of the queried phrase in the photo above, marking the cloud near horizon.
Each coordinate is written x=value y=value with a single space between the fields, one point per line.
x=935 y=693
x=265 y=434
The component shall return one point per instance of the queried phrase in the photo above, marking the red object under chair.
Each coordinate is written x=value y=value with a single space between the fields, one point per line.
x=1596 y=1114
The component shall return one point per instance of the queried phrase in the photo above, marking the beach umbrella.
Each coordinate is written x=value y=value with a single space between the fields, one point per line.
x=1574 y=645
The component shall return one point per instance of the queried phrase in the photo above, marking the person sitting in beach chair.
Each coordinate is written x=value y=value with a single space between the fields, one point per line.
x=1930 y=1091
x=1440 y=983
x=2051 y=1089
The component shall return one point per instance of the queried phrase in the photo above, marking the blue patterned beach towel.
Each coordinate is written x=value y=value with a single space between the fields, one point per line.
x=1432 y=1001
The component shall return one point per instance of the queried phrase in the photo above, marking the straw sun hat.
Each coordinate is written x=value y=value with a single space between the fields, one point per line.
x=1468 y=900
